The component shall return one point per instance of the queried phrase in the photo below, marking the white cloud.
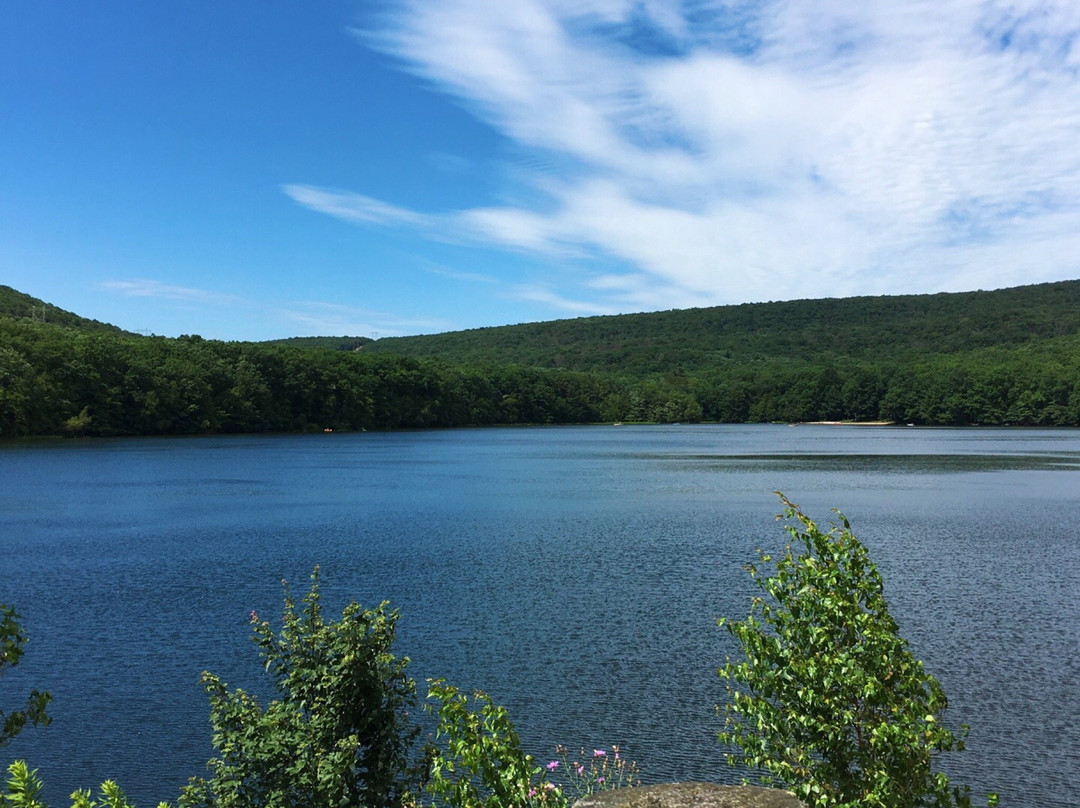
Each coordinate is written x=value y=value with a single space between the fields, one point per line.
x=457 y=275
x=318 y=318
x=350 y=206
x=312 y=317
x=155 y=289
x=542 y=294
x=532 y=292
x=762 y=150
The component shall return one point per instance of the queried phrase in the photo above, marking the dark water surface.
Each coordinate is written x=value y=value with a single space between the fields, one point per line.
x=574 y=573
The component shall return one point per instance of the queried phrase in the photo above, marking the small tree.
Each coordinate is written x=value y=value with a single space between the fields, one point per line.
x=483 y=764
x=12 y=640
x=830 y=700
x=480 y=762
x=340 y=733
x=24 y=791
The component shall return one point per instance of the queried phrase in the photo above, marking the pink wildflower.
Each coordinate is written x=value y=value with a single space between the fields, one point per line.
x=580 y=769
x=553 y=766
x=532 y=793
x=598 y=753
x=600 y=780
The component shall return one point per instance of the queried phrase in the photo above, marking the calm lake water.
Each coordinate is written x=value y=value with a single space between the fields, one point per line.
x=575 y=573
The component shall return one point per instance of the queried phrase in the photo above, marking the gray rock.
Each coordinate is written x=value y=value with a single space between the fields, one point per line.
x=690 y=795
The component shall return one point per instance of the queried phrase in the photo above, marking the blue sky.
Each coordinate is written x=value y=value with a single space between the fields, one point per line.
x=260 y=169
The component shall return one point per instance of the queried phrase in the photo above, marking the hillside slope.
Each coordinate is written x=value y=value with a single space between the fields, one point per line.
x=20 y=306
x=900 y=328
x=332 y=343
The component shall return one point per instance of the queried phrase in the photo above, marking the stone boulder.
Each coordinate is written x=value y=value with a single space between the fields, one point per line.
x=690 y=795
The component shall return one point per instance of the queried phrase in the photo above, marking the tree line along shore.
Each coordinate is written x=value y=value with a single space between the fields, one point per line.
x=64 y=375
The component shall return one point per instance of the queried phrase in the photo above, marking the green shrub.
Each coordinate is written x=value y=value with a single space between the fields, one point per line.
x=483 y=764
x=339 y=734
x=24 y=789
x=12 y=640
x=829 y=700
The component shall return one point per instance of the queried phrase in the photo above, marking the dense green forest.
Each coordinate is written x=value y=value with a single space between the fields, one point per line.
x=334 y=343
x=1008 y=357
x=904 y=329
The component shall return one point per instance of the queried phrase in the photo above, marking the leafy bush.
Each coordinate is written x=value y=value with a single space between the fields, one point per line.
x=12 y=640
x=340 y=733
x=24 y=789
x=830 y=700
x=483 y=764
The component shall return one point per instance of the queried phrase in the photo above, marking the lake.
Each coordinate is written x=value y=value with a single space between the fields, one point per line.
x=575 y=573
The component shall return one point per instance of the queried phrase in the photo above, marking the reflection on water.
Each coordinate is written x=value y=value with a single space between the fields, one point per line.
x=575 y=573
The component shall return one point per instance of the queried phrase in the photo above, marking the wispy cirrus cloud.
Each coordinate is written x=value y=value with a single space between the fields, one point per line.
x=532 y=292
x=325 y=319
x=352 y=207
x=538 y=293
x=722 y=150
x=289 y=318
x=140 y=287
x=458 y=275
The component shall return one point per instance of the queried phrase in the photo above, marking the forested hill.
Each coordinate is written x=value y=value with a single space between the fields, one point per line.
x=333 y=343
x=1009 y=357
x=901 y=328
x=19 y=306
